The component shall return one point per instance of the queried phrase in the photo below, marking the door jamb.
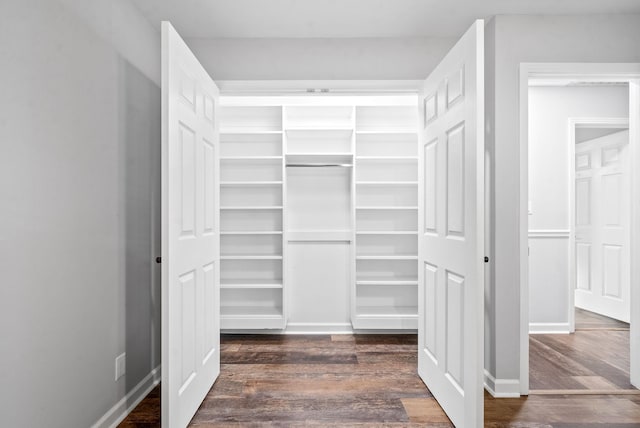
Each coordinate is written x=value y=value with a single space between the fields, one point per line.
x=621 y=72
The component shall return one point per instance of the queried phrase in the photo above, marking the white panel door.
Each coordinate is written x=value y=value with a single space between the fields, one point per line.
x=451 y=231
x=190 y=233
x=602 y=229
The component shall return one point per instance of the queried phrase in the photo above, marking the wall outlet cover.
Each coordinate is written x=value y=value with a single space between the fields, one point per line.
x=121 y=365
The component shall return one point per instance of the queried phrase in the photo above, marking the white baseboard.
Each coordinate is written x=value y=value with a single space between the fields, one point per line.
x=318 y=328
x=549 y=328
x=122 y=408
x=501 y=388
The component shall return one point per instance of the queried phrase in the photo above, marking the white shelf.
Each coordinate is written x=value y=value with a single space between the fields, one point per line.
x=250 y=183
x=251 y=257
x=390 y=257
x=386 y=232
x=319 y=128
x=391 y=282
x=388 y=311
x=383 y=131
x=248 y=131
x=254 y=208
x=387 y=158
x=383 y=208
x=253 y=312
x=250 y=232
x=394 y=281
x=250 y=158
x=251 y=284
x=319 y=158
x=387 y=183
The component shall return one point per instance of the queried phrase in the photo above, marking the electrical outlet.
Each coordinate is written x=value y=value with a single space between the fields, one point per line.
x=121 y=365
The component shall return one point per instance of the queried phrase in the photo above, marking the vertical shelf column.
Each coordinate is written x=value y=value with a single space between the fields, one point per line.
x=319 y=225
x=386 y=213
x=251 y=212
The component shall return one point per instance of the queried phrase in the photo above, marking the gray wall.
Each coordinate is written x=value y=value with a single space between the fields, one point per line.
x=79 y=185
x=517 y=39
x=320 y=59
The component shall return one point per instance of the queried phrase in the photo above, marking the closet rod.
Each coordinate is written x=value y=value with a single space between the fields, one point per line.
x=318 y=165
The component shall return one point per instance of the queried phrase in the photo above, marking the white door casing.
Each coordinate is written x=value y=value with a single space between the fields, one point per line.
x=190 y=232
x=602 y=233
x=451 y=231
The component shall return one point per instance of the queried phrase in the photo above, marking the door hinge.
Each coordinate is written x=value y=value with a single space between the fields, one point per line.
x=486 y=259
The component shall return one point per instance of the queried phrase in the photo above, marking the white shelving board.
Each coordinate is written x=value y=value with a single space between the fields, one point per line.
x=386 y=261
x=251 y=217
x=365 y=150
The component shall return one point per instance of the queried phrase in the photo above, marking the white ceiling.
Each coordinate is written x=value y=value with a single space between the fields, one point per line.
x=352 y=18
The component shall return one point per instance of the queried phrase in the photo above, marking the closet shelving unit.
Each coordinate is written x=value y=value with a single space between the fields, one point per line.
x=251 y=218
x=364 y=150
x=386 y=261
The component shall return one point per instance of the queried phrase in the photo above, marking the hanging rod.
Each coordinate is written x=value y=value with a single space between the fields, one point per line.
x=319 y=165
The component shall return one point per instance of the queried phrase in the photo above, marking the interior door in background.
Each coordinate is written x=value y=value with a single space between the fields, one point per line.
x=602 y=231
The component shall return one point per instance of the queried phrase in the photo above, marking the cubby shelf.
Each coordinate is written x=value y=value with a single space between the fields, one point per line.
x=386 y=183
x=389 y=257
x=251 y=183
x=319 y=128
x=254 y=208
x=247 y=131
x=250 y=158
x=387 y=208
x=251 y=232
x=386 y=311
x=251 y=284
x=387 y=158
x=251 y=257
x=254 y=312
x=319 y=158
x=386 y=232
x=387 y=131
x=383 y=282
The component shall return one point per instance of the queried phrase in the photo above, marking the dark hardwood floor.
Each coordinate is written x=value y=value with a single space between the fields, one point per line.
x=595 y=358
x=586 y=320
x=358 y=381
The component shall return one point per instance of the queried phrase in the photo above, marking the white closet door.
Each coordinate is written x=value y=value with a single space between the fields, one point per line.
x=190 y=233
x=602 y=226
x=451 y=231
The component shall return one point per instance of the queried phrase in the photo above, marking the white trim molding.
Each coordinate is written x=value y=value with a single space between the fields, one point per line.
x=549 y=234
x=319 y=87
x=318 y=328
x=122 y=408
x=501 y=388
x=549 y=328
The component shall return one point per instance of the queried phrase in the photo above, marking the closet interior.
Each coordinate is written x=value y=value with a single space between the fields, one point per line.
x=319 y=213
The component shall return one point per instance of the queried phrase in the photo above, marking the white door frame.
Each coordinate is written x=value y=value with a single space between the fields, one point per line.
x=621 y=72
x=574 y=123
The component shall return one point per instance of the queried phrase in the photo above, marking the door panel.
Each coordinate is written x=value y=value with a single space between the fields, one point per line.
x=602 y=226
x=451 y=247
x=190 y=234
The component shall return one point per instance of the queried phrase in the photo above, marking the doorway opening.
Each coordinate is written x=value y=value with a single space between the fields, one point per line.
x=579 y=154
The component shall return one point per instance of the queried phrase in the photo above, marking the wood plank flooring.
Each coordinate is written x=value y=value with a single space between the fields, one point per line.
x=596 y=357
x=359 y=381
